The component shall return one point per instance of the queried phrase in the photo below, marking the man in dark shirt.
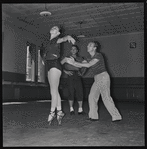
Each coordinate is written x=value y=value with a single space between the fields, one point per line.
x=74 y=80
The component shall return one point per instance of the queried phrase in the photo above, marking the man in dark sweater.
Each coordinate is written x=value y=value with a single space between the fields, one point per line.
x=74 y=81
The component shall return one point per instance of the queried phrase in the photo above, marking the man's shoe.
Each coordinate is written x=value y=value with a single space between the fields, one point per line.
x=91 y=119
x=72 y=113
x=116 y=119
x=81 y=113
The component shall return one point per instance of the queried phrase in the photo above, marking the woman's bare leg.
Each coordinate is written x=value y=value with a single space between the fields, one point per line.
x=54 y=79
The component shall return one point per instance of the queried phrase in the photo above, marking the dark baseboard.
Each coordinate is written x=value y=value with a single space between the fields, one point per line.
x=117 y=81
x=14 y=77
x=122 y=89
x=17 y=77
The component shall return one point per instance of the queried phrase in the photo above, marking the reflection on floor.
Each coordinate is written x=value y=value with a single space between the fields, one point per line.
x=26 y=125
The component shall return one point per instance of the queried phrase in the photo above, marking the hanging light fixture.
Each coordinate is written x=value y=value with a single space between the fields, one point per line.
x=45 y=13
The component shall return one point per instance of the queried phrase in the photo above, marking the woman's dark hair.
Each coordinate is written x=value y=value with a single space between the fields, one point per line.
x=97 y=45
x=61 y=29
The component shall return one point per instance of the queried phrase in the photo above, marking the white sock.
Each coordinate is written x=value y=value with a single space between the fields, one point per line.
x=53 y=109
x=71 y=109
x=59 y=108
x=80 y=110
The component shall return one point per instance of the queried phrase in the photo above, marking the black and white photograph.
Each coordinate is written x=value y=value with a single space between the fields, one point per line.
x=73 y=74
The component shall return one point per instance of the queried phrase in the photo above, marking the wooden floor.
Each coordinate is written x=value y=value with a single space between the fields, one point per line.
x=26 y=125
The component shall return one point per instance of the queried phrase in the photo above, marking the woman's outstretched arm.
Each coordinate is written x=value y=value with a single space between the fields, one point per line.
x=66 y=38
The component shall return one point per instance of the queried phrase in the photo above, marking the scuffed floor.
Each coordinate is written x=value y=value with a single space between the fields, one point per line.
x=26 y=125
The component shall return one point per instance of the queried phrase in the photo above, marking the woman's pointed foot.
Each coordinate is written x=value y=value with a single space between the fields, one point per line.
x=51 y=116
x=60 y=115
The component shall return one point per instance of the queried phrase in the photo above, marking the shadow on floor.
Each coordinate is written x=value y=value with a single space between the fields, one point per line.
x=26 y=125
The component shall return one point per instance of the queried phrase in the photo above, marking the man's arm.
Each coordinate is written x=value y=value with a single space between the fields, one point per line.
x=63 y=60
x=68 y=72
x=85 y=64
x=68 y=66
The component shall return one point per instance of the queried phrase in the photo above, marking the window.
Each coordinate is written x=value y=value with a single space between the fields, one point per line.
x=30 y=66
x=35 y=70
x=41 y=69
x=2 y=40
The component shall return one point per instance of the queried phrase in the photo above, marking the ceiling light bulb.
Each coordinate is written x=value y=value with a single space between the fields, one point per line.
x=45 y=13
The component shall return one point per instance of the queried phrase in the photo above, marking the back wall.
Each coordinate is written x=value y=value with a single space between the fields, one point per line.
x=121 y=60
